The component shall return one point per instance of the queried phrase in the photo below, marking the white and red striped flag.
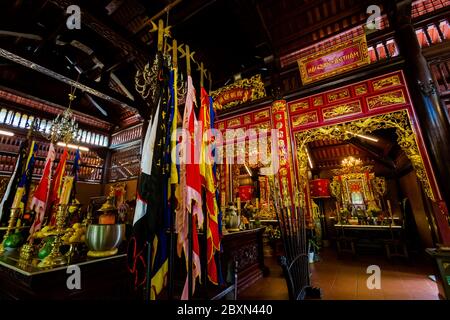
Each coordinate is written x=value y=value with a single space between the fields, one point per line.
x=40 y=197
x=190 y=185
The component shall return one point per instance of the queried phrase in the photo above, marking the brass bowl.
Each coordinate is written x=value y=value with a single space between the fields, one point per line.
x=104 y=237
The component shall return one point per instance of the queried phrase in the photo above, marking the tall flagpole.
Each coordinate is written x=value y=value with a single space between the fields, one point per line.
x=162 y=30
x=190 y=224
x=148 y=284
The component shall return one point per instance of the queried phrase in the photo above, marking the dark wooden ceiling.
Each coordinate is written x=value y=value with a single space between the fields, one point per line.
x=384 y=155
x=229 y=36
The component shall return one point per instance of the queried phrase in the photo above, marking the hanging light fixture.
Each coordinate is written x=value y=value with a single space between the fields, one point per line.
x=351 y=162
x=64 y=127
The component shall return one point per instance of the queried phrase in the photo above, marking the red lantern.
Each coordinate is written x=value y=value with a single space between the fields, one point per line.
x=319 y=188
x=246 y=193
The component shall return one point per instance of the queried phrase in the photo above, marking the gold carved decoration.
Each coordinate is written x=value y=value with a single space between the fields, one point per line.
x=349 y=170
x=386 y=99
x=239 y=92
x=310 y=117
x=317 y=101
x=234 y=122
x=338 y=95
x=277 y=106
x=341 y=110
x=262 y=115
x=247 y=119
x=361 y=89
x=386 y=83
x=299 y=106
x=398 y=120
x=263 y=125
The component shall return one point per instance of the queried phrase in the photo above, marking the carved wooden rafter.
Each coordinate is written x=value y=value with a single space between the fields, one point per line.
x=29 y=64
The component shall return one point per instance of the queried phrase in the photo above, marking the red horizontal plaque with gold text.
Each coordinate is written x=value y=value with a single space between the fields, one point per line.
x=342 y=57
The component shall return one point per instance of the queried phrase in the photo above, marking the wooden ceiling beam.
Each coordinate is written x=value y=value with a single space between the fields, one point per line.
x=348 y=13
x=384 y=160
x=291 y=15
x=90 y=88
x=107 y=33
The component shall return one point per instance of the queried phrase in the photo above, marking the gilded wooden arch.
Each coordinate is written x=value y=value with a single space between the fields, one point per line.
x=398 y=120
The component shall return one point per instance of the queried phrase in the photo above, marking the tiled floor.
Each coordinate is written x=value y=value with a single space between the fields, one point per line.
x=346 y=278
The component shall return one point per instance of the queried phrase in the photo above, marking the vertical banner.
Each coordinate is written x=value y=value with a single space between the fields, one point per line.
x=280 y=121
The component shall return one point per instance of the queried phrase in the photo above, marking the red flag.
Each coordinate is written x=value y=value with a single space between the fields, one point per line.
x=208 y=179
x=190 y=185
x=55 y=187
x=39 y=201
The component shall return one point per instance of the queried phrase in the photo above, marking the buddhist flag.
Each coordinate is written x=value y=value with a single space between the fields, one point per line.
x=23 y=188
x=149 y=219
x=143 y=230
x=27 y=175
x=55 y=186
x=40 y=197
x=190 y=206
x=10 y=192
x=209 y=183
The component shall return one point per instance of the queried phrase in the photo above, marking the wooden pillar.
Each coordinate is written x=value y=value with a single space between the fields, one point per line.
x=431 y=115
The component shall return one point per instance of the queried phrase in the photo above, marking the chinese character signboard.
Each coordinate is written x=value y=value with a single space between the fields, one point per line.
x=342 y=57
x=238 y=93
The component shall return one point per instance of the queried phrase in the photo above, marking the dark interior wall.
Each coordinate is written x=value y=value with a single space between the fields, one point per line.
x=411 y=190
x=87 y=190
x=394 y=197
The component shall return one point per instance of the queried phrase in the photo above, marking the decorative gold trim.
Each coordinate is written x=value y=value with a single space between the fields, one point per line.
x=305 y=118
x=386 y=83
x=279 y=105
x=299 y=106
x=338 y=95
x=262 y=115
x=341 y=110
x=234 y=122
x=398 y=120
x=244 y=90
x=361 y=89
x=386 y=99
x=262 y=125
x=317 y=101
x=247 y=119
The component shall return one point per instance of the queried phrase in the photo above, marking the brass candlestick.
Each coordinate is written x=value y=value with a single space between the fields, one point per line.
x=26 y=253
x=55 y=258
x=11 y=226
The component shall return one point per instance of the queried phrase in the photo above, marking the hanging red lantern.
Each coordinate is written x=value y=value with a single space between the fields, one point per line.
x=246 y=193
x=320 y=188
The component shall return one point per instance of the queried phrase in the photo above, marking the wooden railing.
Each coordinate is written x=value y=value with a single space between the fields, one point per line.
x=128 y=135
